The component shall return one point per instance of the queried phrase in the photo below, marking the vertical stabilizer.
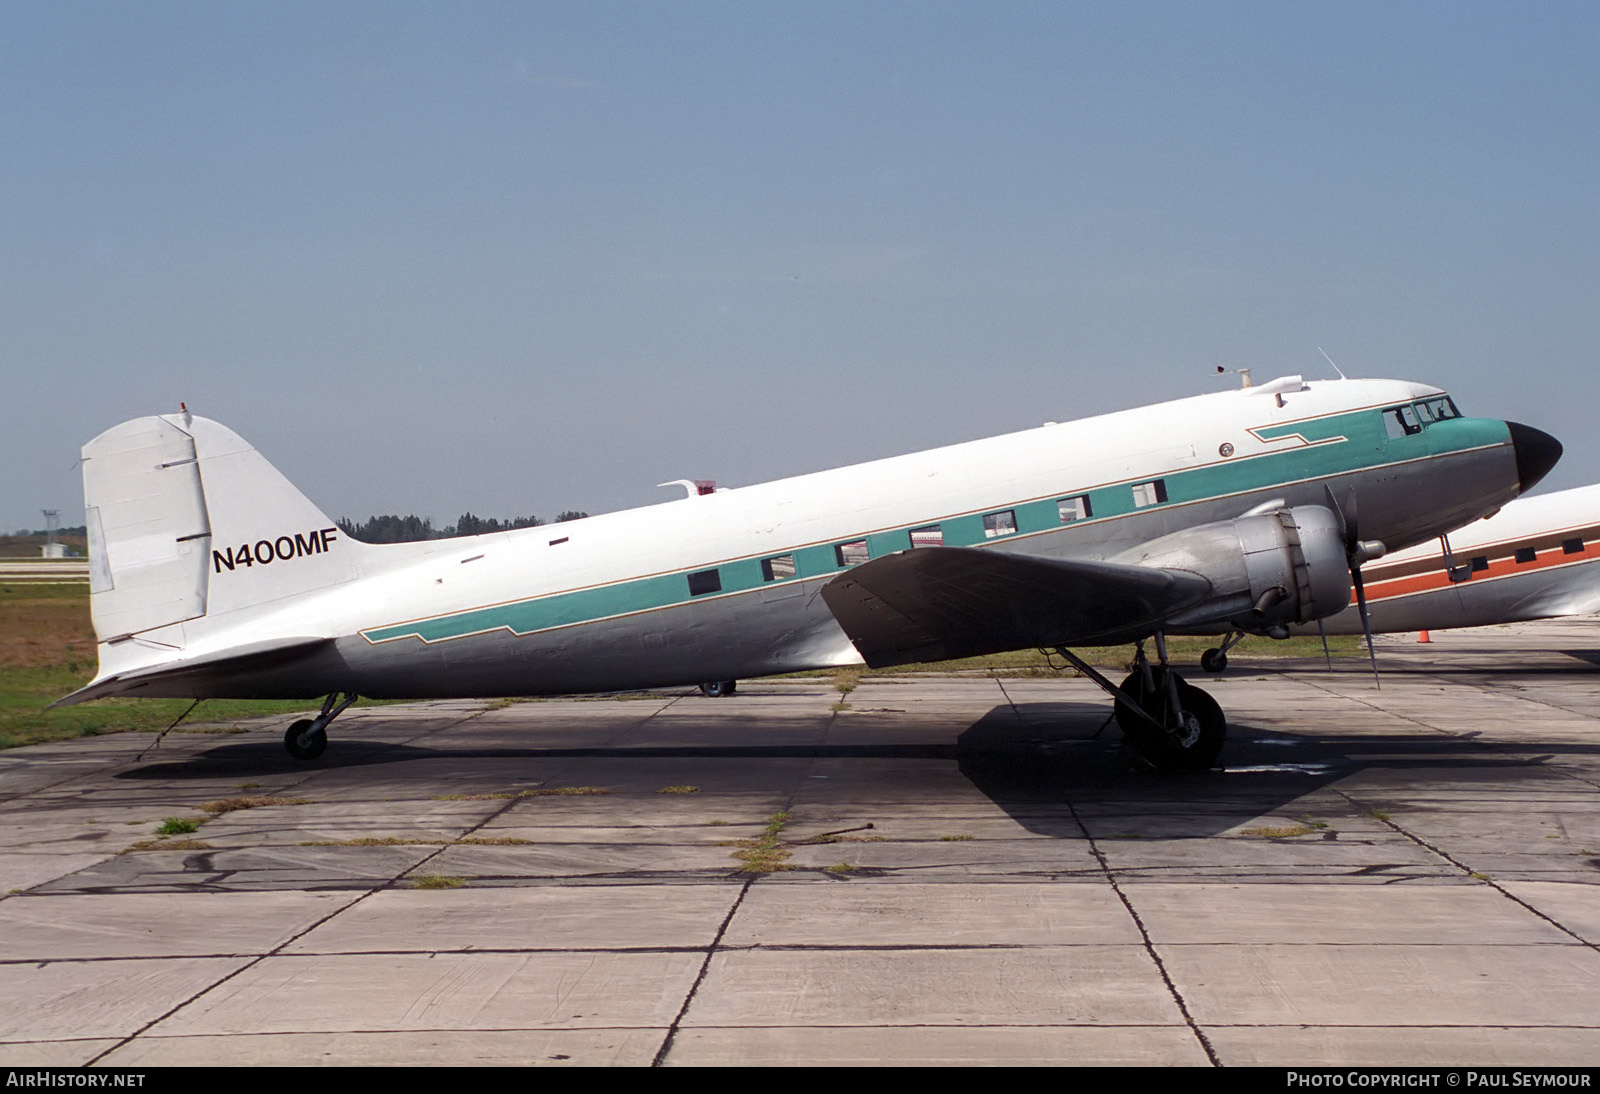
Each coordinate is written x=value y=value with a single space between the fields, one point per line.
x=187 y=522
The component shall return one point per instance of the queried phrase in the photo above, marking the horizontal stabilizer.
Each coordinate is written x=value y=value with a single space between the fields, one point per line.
x=936 y=603
x=241 y=660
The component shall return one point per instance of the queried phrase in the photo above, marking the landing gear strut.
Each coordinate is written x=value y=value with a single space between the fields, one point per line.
x=306 y=739
x=1171 y=723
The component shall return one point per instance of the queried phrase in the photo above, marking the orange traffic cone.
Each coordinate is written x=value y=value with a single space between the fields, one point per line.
x=1423 y=637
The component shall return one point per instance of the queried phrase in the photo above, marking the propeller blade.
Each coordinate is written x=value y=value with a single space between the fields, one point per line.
x=1346 y=515
x=1355 y=552
x=1366 y=623
x=1326 y=656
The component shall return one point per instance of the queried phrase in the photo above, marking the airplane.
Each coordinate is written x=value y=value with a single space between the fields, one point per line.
x=1534 y=559
x=1251 y=510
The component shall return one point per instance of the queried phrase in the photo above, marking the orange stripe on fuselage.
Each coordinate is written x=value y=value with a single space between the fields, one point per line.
x=1505 y=566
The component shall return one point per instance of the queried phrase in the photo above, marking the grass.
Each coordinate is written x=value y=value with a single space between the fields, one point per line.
x=1285 y=831
x=47 y=649
x=174 y=826
x=405 y=841
x=171 y=845
x=438 y=881
x=679 y=790
x=846 y=681
x=230 y=805
x=766 y=853
x=546 y=792
x=373 y=841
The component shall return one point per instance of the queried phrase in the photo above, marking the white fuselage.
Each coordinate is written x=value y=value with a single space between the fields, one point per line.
x=726 y=585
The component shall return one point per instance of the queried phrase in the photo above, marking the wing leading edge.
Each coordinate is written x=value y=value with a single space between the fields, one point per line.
x=936 y=603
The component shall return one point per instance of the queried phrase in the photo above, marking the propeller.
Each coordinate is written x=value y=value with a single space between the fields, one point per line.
x=1356 y=552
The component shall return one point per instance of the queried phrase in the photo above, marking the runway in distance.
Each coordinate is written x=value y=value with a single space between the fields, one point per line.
x=1249 y=510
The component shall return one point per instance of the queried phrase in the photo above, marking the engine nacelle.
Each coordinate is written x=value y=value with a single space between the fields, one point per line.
x=1267 y=571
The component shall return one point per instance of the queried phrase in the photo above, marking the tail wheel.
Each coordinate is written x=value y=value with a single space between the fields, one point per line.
x=305 y=742
x=719 y=689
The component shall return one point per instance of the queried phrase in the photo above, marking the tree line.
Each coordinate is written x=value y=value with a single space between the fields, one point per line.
x=80 y=531
x=392 y=528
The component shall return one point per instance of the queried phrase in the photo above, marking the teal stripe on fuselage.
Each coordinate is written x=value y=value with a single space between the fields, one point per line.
x=1337 y=444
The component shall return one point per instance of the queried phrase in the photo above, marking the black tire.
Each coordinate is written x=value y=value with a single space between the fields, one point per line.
x=719 y=689
x=313 y=746
x=1214 y=661
x=1195 y=749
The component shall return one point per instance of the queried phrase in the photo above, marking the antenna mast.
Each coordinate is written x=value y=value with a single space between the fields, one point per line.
x=1336 y=368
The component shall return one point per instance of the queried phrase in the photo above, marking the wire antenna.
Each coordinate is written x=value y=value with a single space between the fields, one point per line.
x=1328 y=359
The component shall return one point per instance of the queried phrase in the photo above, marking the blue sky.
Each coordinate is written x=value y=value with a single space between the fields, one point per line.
x=524 y=257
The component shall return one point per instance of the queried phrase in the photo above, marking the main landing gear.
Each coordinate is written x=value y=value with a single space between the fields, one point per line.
x=306 y=739
x=719 y=689
x=1171 y=723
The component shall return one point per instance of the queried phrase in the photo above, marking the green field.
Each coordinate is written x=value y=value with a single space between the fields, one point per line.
x=47 y=649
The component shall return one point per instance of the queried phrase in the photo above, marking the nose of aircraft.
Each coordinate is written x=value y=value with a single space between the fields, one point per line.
x=1537 y=453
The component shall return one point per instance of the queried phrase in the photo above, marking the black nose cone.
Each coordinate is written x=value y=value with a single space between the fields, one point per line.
x=1537 y=453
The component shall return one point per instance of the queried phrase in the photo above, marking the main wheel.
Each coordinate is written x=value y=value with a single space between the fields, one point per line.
x=1134 y=727
x=308 y=748
x=1193 y=745
x=719 y=689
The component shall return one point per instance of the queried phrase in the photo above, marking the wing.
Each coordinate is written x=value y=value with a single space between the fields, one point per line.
x=936 y=603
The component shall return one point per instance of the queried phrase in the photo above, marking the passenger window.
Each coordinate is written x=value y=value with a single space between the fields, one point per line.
x=1526 y=554
x=702 y=582
x=929 y=535
x=777 y=568
x=1572 y=546
x=1072 y=509
x=1480 y=563
x=1003 y=523
x=853 y=553
x=1150 y=493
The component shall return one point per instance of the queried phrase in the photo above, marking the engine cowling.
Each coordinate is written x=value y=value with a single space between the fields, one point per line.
x=1267 y=570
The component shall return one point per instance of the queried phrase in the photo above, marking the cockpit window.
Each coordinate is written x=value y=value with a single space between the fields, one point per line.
x=1404 y=421
x=1438 y=409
